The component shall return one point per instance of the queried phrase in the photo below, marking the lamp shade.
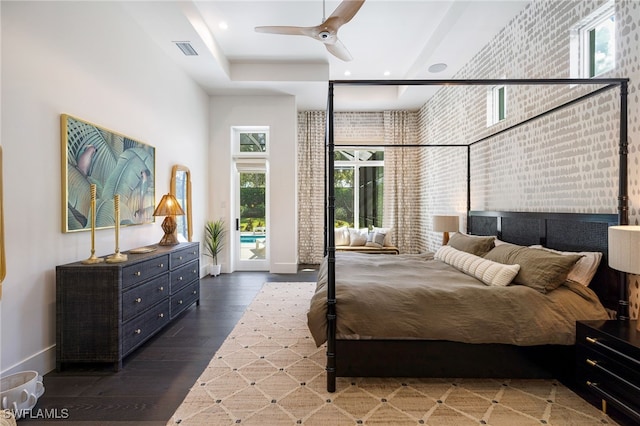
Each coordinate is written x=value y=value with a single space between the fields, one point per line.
x=624 y=248
x=443 y=223
x=168 y=206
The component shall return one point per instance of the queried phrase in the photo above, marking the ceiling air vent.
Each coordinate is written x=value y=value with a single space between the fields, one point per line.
x=186 y=48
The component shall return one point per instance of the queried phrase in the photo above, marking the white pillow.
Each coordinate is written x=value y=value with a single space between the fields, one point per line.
x=584 y=269
x=357 y=237
x=487 y=271
x=342 y=236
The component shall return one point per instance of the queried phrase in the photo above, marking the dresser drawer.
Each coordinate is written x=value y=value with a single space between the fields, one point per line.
x=142 y=271
x=141 y=328
x=186 y=255
x=183 y=276
x=142 y=297
x=185 y=298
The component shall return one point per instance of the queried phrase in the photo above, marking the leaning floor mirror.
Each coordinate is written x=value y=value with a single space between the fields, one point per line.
x=181 y=189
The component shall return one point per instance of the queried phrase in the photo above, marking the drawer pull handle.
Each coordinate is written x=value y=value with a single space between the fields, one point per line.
x=161 y=265
x=179 y=302
x=195 y=291
x=179 y=257
x=138 y=300
x=591 y=362
x=161 y=315
x=137 y=274
x=179 y=278
x=194 y=271
x=138 y=331
x=591 y=339
x=161 y=288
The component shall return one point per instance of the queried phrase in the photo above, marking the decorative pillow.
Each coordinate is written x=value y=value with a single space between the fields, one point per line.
x=357 y=237
x=387 y=238
x=375 y=239
x=487 y=271
x=539 y=269
x=584 y=269
x=472 y=244
x=341 y=236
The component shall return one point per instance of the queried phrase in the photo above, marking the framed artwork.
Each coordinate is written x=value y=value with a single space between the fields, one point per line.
x=181 y=189
x=116 y=164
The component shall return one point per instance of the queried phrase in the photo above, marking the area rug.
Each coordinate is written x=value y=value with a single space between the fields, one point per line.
x=269 y=372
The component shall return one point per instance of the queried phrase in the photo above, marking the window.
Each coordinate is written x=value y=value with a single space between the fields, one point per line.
x=358 y=182
x=251 y=141
x=593 y=43
x=496 y=105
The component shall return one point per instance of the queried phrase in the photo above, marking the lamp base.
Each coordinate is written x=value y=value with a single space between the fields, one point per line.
x=445 y=238
x=169 y=226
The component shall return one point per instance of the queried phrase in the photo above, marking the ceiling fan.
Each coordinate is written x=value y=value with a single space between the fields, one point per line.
x=327 y=32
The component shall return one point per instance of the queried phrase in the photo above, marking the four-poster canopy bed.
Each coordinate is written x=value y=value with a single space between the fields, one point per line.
x=366 y=354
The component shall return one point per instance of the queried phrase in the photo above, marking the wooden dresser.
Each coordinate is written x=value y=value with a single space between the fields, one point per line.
x=608 y=363
x=105 y=311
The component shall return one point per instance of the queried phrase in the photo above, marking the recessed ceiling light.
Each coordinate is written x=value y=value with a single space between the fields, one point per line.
x=347 y=73
x=223 y=25
x=437 y=67
x=387 y=73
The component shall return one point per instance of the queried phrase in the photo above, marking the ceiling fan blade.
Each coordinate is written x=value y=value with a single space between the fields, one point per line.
x=346 y=10
x=339 y=50
x=286 y=30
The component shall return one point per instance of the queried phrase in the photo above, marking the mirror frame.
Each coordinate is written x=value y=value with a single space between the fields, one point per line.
x=3 y=266
x=187 y=209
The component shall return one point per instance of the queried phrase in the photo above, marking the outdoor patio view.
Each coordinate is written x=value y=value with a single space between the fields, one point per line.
x=253 y=224
x=361 y=208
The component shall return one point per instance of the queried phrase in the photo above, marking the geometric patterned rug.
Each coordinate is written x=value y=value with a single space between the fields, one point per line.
x=269 y=372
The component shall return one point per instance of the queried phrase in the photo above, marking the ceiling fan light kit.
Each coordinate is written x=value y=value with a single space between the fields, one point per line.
x=327 y=32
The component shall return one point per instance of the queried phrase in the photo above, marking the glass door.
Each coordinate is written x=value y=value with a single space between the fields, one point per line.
x=252 y=237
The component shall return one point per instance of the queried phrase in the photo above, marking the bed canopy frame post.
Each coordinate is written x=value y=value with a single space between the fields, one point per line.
x=623 y=197
x=331 y=248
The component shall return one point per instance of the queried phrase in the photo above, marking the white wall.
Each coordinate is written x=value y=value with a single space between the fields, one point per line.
x=279 y=113
x=90 y=60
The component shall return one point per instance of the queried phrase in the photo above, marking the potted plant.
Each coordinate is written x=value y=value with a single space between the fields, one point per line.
x=214 y=233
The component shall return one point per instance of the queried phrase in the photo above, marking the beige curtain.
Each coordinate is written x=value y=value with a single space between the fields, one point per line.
x=401 y=169
x=311 y=131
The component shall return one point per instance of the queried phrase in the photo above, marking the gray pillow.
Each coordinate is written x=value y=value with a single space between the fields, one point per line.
x=471 y=243
x=541 y=270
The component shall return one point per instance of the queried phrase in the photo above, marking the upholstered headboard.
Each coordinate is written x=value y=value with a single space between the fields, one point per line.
x=560 y=231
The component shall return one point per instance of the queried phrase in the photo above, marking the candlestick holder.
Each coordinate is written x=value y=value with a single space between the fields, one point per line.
x=117 y=256
x=93 y=258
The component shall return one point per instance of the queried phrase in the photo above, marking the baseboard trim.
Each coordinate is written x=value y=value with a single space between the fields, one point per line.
x=284 y=268
x=43 y=362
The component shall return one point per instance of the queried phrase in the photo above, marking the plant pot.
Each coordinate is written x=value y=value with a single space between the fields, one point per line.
x=214 y=270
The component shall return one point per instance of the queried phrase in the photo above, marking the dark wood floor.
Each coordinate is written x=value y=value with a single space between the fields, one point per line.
x=155 y=378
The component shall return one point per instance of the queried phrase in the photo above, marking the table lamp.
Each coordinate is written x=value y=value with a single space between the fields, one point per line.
x=169 y=207
x=624 y=250
x=445 y=224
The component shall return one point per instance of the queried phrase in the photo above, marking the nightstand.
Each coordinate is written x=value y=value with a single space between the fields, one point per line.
x=608 y=363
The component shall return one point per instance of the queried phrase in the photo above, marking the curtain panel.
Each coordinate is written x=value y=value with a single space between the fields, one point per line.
x=401 y=189
x=311 y=135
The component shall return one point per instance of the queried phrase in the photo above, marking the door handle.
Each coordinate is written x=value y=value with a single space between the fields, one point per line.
x=237 y=224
